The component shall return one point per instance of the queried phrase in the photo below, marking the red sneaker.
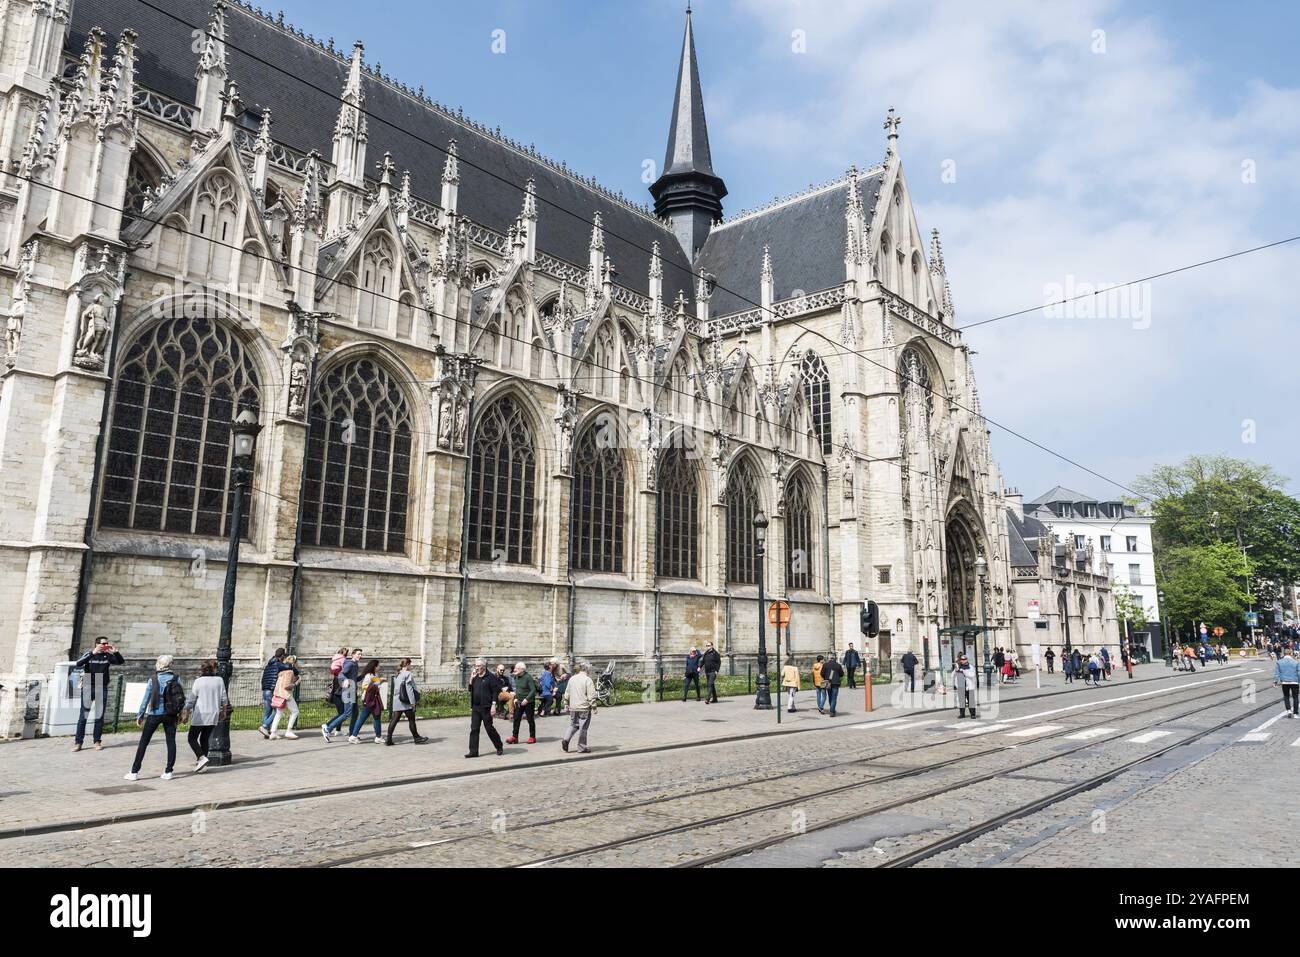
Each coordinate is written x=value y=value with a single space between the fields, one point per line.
x=532 y=740
x=512 y=740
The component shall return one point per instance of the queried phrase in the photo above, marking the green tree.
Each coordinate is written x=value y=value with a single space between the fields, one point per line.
x=1205 y=583
x=1216 y=499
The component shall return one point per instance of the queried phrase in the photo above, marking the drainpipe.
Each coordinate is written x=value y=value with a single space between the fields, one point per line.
x=464 y=538
x=88 y=555
x=731 y=656
x=295 y=591
x=659 y=659
x=826 y=549
x=570 y=643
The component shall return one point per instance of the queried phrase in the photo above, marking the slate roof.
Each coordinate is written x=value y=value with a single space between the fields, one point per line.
x=805 y=237
x=688 y=134
x=1061 y=494
x=300 y=82
x=1021 y=533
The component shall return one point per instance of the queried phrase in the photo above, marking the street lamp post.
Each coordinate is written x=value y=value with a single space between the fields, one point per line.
x=982 y=571
x=1169 y=644
x=243 y=435
x=763 y=700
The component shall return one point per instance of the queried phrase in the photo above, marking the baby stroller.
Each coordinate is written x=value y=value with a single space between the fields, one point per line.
x=605 y=691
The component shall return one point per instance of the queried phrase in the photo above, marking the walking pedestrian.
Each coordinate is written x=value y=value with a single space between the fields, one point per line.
x=483 y=691
x=832 y=674
x=348 y=678
x=1067 y=666
x=506 y=696
x=94 y=666
x=548 y=684
x=163 y=702
x=819 y=684
x=999 y=659
x=852 y=662
x=372 y=703
x=1051 y=660
x=712 y=664
x=581 y=701
x=1077 y=659
x=525 y=701
x=283 y=700
x=692 y=673
x=909 y=669
x=405 y=697
x=1094 y=669
x=207 y=704
x=270 y=674
x=335 y=696
x=790 y=682
x=561 y=686
x=966 y=685
x=1105 y=661
x=1287 y=674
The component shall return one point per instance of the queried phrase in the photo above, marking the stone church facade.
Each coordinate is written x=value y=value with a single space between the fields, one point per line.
x=504 y=411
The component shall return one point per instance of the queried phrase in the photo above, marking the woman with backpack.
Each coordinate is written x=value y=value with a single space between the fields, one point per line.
x=163 y=702
x=372 y=703
x=282 y=698
x=405 y=697
x=206 y=703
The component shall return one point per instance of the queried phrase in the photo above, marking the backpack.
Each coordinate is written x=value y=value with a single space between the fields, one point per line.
x=173 y=697
x=336 y=667
x=335 y=691
x=371 y=702
x=407 y=694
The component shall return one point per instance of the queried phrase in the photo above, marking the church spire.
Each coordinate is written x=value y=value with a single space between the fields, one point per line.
x=688 y=192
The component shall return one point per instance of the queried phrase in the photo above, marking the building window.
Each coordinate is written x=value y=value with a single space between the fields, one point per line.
x=597 y=505
x=883 y=573
x=1131 y=543
x=742 y=506
x=178 y=388
x=1110 y=570
x=1105 y=543
x=357 y=486
x=798 y=537
x=503 y=472
x=817 y=393
x=1135 y=574
x=1079 y=541
x=677 y=525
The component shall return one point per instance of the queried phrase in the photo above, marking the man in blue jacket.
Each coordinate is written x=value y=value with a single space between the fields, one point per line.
x=94 y=667
x=692 y=674
x=1287 y=674
x=269 y=675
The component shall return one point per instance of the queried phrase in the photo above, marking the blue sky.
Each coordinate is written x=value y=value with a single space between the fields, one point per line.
x=1080 y=157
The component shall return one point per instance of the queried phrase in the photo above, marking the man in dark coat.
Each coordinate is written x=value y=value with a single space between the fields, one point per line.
x=94 y=666
x=483 y=691
x=832 y=674
x=712 y=662
x=909 y=669
x=852 y=662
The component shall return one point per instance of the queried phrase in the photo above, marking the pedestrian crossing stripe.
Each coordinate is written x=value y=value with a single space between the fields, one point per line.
x=1149 y=737
x=1090 y=733
x=1035 y=731
x=979 y=728
x=1296 y=743
x=1256 y=736
x=913 y=724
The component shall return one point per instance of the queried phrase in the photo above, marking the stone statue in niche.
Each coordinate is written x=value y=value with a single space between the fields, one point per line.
x=462 y=424
x=297 y=387
x=14 y=326
x=92 y=335
x=444 y=420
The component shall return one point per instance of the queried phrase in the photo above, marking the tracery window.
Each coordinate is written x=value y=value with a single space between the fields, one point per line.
x=817 y=393
x=357 y=487
x=503 y=473
x=142 y=179
x=914 y=369
x=178 y=388
x=742 y=506
x=214 y=227
x=798 y=536
x=677 y=517
x=598 y=516
x=376 y=285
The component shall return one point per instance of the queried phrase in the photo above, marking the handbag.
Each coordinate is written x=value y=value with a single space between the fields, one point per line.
x=278 y=702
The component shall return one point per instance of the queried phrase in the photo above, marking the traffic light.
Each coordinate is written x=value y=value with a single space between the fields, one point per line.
x=870 y=618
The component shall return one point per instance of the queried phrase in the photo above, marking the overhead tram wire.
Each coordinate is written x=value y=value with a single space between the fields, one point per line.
x=856 y=352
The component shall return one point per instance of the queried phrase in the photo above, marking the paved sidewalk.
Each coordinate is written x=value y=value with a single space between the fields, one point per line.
x=43 y=784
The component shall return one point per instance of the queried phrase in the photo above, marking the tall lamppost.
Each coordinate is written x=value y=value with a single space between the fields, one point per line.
x=243 y=436
x=982 y=572
x=763 y=700
x=1169 y=642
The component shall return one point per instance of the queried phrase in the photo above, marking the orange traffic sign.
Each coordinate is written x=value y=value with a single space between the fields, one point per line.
x=1218 y=631
x=778 y=613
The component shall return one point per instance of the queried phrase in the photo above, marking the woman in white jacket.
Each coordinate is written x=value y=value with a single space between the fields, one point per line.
x=966 y=684
x=205 y=704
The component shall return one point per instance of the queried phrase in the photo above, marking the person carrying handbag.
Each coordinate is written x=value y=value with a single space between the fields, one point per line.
x=372 y=703
x=282 y=698
x=405 y=697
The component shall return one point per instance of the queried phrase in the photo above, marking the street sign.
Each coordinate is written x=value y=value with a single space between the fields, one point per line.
x=778 y=613
x=1204 y=630
x=1252 y=619
x=1218 y=631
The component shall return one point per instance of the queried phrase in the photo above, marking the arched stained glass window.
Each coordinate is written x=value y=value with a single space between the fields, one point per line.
x=503 y=473
x=817 y=393
x=357 y=487
x=678 y=539
x=597 y=516
x=742 y=505
x=798 y=536
x=178 y=388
